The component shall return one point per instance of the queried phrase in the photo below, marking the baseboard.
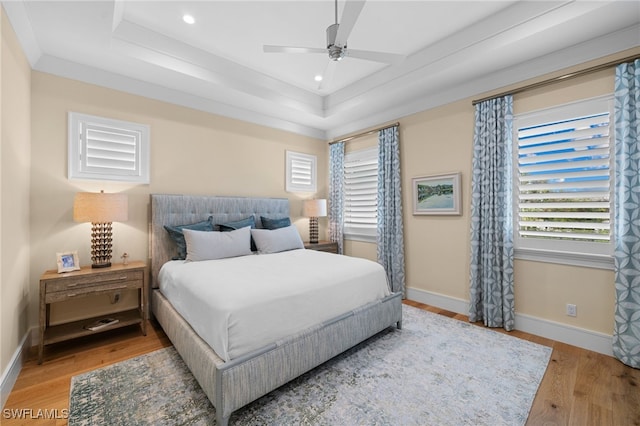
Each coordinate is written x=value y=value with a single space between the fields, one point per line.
x=576 y=336
x=459 y=306
x=580 y=337
x=10 y=374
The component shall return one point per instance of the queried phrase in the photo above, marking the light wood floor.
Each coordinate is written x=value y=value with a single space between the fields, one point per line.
x=580 y=387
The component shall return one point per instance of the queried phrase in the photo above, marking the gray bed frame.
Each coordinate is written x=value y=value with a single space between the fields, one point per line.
x=234 y=384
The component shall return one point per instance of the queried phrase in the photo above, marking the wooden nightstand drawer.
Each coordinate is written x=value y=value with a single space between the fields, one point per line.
x=87 y=282
x=94 y=289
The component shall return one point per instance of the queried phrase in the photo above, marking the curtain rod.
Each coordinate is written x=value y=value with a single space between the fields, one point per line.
x=359 y=135
x=559 y=78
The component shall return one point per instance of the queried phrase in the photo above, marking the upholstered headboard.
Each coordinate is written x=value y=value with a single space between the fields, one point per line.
x=185 y=209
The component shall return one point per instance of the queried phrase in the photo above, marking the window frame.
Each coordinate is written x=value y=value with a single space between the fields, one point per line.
x=77 y=148
x=366 y=234
x=577 y=253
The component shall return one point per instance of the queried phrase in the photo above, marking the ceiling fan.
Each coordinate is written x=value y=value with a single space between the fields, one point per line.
x=337 y=35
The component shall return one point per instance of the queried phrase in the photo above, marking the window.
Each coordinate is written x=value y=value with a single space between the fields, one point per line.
x=361 y=194
x=301 y=172
x=563 y=184
x=106 y=149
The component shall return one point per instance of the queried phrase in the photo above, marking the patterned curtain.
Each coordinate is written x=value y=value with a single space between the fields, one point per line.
x=390 y=237
x=491 y=278
x=626 y=334
x=336 y=193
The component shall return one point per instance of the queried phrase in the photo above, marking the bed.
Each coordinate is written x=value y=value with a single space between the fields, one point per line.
x=237 y=378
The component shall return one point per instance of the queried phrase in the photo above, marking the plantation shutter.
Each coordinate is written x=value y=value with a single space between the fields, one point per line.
x=361 y=192
x=109 y=150
x=301 y=172
x=564 y=179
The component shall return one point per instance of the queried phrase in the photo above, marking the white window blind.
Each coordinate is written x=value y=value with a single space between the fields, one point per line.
x=361 y=194
x=106 y=149
x=563 y=184
x=300 y=172
x=109 y=149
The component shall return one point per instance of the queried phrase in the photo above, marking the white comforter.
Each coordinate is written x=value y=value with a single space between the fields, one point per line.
x=241 y=304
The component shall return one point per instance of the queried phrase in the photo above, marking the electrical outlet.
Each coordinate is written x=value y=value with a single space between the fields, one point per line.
x=572 y=310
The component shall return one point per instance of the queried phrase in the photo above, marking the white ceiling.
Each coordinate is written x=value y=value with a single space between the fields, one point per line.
x=453 y=49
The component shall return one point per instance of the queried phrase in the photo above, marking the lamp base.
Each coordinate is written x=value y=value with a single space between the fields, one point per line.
x=101 y=244
x=313 y=230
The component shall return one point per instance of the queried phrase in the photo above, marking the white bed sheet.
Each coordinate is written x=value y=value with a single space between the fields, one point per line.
x=242 y=304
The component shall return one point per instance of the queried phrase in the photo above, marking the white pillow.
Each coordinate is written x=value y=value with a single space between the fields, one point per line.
x=209 y=245
x=277 y=240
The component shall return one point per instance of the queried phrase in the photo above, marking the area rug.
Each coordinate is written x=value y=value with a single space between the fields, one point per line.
x=435 y=371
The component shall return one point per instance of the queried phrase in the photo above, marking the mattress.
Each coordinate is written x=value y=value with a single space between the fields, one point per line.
x=242 y=304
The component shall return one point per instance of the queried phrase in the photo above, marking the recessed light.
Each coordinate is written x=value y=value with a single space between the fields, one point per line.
x=189 y=19
x=318 y=78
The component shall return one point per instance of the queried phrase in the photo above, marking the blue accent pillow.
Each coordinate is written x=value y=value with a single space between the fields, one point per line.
x=176 y=234
x=268 y=223
x=239 y=224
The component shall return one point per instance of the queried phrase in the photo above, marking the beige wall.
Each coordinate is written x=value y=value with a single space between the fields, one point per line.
x=15 y=75
x=192 y=152
x=437 y=248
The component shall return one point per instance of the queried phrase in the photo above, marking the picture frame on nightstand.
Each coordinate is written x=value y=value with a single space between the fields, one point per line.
x=67 y=261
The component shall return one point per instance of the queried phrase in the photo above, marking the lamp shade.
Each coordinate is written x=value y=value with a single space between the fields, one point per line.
x=98 y=207
x=314 y=208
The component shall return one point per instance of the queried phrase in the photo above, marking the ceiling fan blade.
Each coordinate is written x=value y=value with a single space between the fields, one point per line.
x=350 y=13
x=327 y=75
x=292 y=49
x=388 y=58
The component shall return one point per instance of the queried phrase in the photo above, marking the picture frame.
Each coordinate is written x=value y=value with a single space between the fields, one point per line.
x=67 y=261
x=437 y=194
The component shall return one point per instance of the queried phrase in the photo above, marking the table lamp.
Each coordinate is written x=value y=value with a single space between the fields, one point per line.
x=313 y=209
x=101 y=210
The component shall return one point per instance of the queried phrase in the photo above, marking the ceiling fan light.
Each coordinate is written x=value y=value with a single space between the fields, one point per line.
x=335 y=53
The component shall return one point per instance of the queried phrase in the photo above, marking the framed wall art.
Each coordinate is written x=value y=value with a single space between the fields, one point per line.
x=437 y=195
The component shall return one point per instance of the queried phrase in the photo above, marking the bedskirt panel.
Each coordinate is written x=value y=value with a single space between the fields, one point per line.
x=247 y=381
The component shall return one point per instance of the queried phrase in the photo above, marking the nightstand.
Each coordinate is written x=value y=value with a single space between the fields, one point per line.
x=327 y=246
x=55 y=287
